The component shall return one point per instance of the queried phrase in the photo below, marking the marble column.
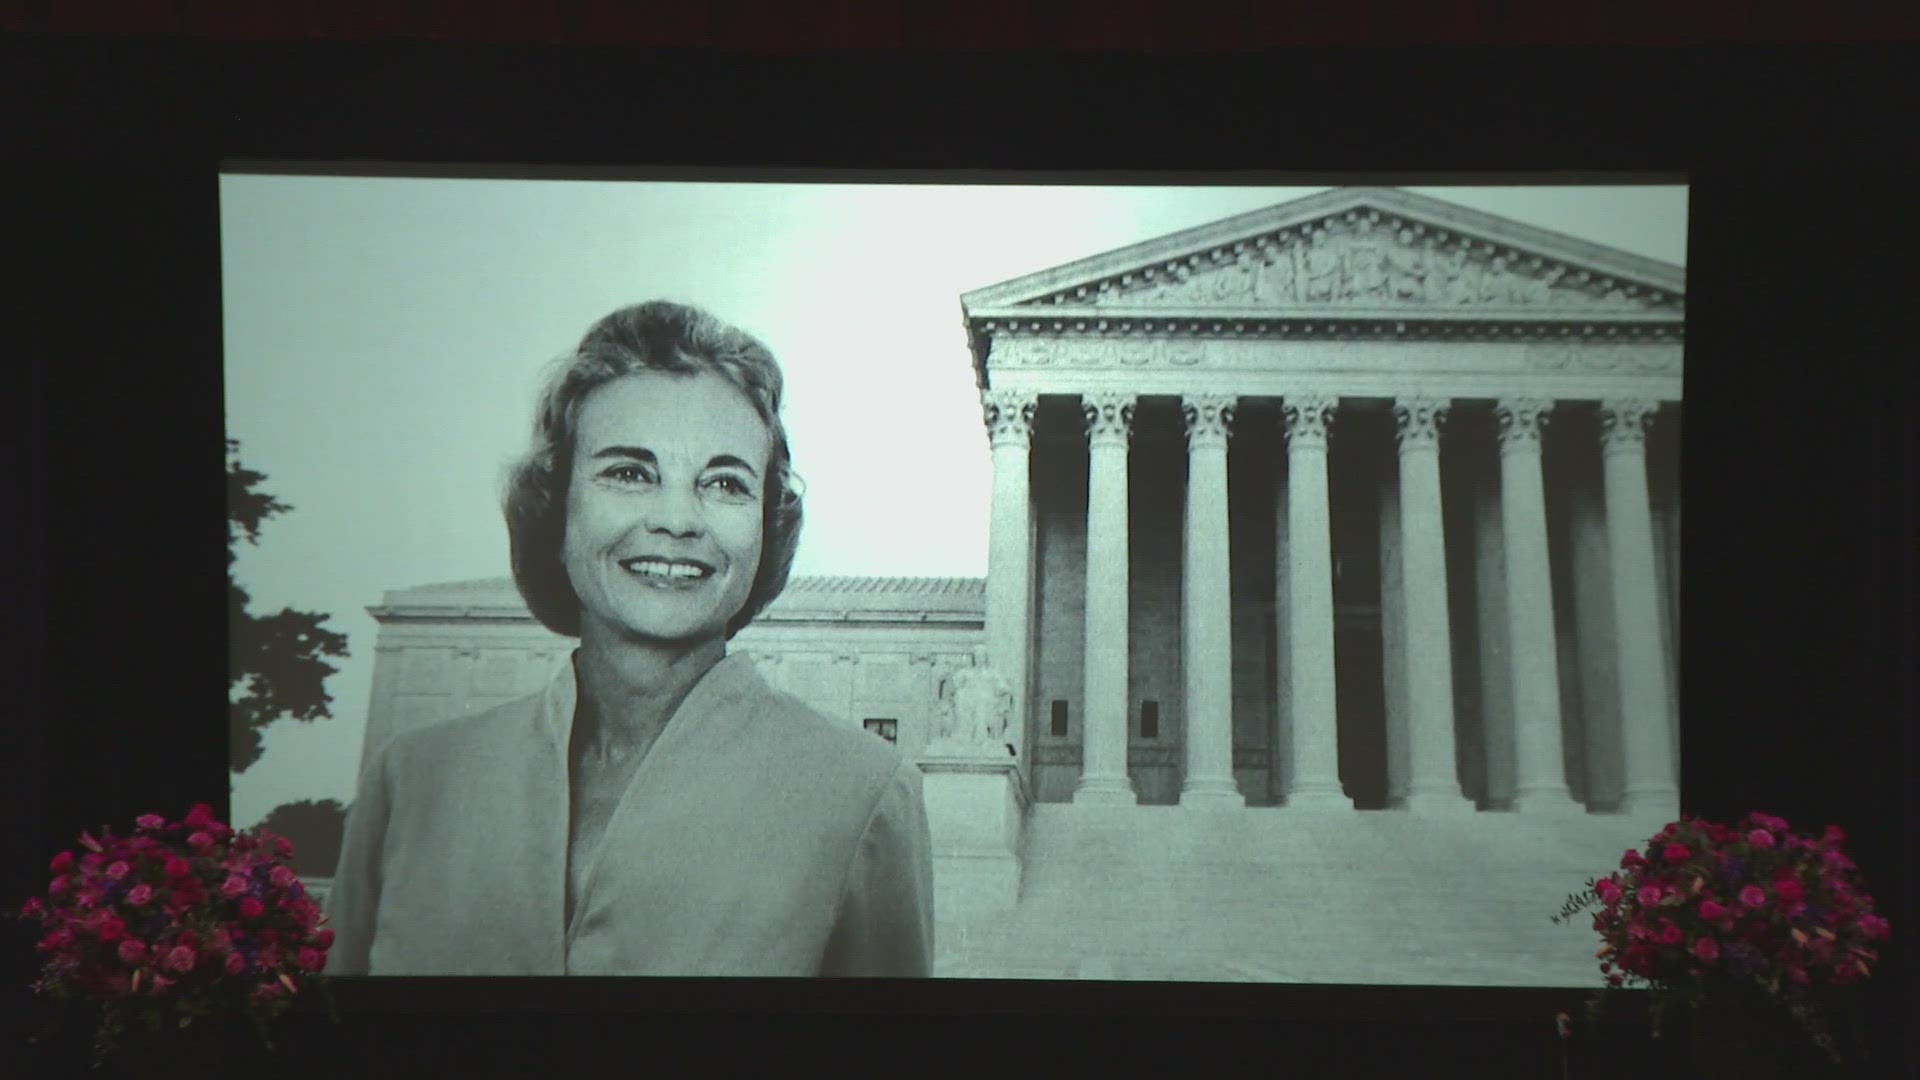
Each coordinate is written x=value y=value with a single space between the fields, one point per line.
x=1009 y=610
x=1103 y=768
x=1433 y=775
x=1645 y=703
x=1314 y=716
x=1207 y=608
x=1533 y=664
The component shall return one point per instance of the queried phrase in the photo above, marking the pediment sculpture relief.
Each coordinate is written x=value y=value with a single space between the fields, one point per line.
x=1365 y=263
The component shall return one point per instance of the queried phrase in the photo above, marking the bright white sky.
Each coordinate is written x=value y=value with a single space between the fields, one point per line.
x=384 y=339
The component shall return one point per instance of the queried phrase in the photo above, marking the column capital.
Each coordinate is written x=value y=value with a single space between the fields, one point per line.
x=1623 y=424
x=1308 y=419
x=1209 y=419
x=1009 y=416
x=1418 y=420
x=1108 y=417
x=1521 y=421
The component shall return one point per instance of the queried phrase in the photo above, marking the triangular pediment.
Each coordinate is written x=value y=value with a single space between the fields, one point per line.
x=1354 y=253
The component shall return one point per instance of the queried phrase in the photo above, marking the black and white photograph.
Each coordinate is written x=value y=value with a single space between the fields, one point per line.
x=945 y=578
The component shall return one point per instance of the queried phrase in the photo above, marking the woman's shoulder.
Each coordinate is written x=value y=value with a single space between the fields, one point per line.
x=437 y=741
x=811 y=740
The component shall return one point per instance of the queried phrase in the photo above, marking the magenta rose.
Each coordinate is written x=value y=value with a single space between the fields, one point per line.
x=310 y=959
x=132 y=950
x=251 y=907
x=1675 y=853
x=283 y=876
x=1834 y=835
x=233 y=886
x=32 y=909
x=1650 y=895
x=55 y=941
x=1768 y=821
x=118 y=871
x=201 y=816
x=180 y=959
x=58 y=885
x=1632 y=859
x=236 y=964
x=200 y=842
x=1706 y=949
x=267 y=991
x=1711 y=910
x=1671 y=935
x=1788 y=889
x=110 y=929
x=150 y=821
x=1760 y=838
x=324 y=939
x=140 y=894
x=92 y=860
x=1753 y=897
x=178 y=867
x=1608 y=890
x=1875 y=928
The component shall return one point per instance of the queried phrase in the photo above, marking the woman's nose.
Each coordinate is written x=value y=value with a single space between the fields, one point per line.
x=673 y=511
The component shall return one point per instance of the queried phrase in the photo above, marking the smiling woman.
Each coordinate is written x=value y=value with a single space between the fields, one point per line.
x=658 y=809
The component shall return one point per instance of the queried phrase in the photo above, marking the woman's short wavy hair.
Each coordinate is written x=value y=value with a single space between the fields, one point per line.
x=655 y=336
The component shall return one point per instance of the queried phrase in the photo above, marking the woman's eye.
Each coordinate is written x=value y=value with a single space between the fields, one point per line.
x=729 y=485
x=628 y=474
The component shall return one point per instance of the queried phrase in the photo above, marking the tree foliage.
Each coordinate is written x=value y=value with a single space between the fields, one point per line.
x=277 y=667
x=316 y=828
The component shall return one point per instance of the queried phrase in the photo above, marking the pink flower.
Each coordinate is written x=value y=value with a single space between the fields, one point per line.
x=1671 y=935
x=55 y=941
x=32 y=909
x=324 y=939
x=140 y=894
x=267 y=991
x=1706 y=949
x=58 y=885
x=1875 y=928
x=233 y=886
x=200 y=842
x=310 y=959
x=283 y=876
x=251 y=908
x=1711 y=910
x=1788 y=889
x=200 y=817
x=1608 y=890
x=159 y=983
x=150 y=821
x=236 y=964
x=1675 y=853
x=110 y=929
x=118 y=871
x=180 y=959
x=1632 y=859
x=91 y=860
x=1834 y=835
x=1650 y=895
x=132 y=950
x=1768 y=821
x=1760 y=838
x=1835 y=861
x=283 y=846
x=178 y=867
x=61 y=863
x=1752 y=897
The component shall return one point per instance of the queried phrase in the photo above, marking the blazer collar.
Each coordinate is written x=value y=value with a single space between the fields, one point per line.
x=735 y=676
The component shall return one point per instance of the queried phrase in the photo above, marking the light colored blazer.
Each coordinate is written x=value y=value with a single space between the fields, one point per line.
x=758 y=838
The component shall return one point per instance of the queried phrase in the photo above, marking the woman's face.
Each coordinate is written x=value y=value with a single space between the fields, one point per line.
x=664 y=507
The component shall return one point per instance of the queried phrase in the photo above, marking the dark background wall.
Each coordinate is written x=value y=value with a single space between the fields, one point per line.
x=1798 y=585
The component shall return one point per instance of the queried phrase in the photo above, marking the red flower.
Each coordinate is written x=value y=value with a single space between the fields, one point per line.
x=150 y=821
x=1706 y=949
x=1711 y=909
x=236 y=964
x=110 y=929
x=233 y=886
x=1674 y=853
x=132 y=950
x=58 y=885
x=200 y=842
x=324 y=939
x=1768 y=821
x=140 y=894
x=310 y=959
x=55 y=941
x=1753 y=897
x=1671 y=935
x=1760 y=838
x=92 y=860
x=118 y=871
x=32 y=909
x=251 y=908
x=282 y=876
x=178 y=867
x=200 y=817
x=180 y=959
x=1875 y=928
x=1787 y=888
x=1834 y=835
x=61 y=863
x=1632 y=859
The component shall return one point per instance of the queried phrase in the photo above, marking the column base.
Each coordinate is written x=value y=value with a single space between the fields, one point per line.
x=1213 y=797
x=1650 y=801
x=1436 y=798
x=1106 y=791
x=1324 y=795
x=1555 y=801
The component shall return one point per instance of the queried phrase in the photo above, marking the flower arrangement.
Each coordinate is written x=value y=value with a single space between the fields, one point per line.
x=1741 y=914
x=181 y=920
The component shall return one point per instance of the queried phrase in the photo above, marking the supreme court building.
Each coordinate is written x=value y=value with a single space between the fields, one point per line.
x=1365 y=502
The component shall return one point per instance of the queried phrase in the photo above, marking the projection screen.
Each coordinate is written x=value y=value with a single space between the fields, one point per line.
x=1260 y=583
